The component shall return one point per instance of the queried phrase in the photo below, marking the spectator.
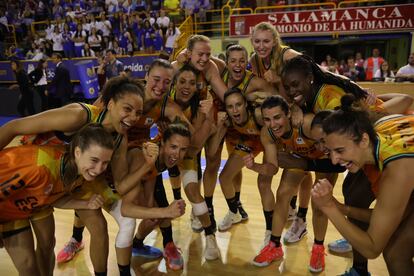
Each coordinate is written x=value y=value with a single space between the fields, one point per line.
x=95 y=9
x=190 y=7
x=95 y=40
x=148 y=37
x=359 y=59
x=68 y=46
x=79 y=38
x=406 y=73
x=39 y=80
x=155 y=5
x=138 y=31
x=32 y=51
x=125 y=41
x=60 y=90
x=25 y=104
x=372 y=64
x=353 y=71
x=113 y=67
x=57 y=9
x=173 y=9
x=111 y=6
x=172 y=34
x=87 y=51
x=116 y=24
x=384 y=72
x=57 y=41
x=104 y=26
x=158 y=38
x=163 y=22
x=71 y=24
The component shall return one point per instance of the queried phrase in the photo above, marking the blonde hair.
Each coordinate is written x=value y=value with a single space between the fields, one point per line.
x=194 y=39
x=276 y=55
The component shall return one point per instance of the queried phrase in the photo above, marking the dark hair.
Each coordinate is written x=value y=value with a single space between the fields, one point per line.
x=118 y=86
x=306 y=66
x=40 y=64
x=159 y=63
x=349 y=121
x=112 y=51
x=235 y=47
x=231 y=91
x=195 y=99
x=19 y=66
x=90 y=134
x=320 y=117
x=58 y=56
x=178 y=127
x=275 y=101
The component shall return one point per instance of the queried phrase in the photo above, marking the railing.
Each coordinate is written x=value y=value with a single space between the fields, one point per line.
x=353 y=2
x=298 y=6
x=186 y=29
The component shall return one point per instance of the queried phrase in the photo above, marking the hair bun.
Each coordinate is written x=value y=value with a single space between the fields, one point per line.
x=347 y=101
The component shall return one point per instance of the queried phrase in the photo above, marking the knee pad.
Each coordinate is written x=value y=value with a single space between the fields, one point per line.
x=199 y=208
x=126 y=226
x=189 y=176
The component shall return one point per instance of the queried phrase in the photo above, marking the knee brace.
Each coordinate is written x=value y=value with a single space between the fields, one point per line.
x=189 y=176
x=126 y=226
x=199 y=208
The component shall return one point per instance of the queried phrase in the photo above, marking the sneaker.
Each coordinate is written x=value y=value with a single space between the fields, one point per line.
x=211 y=252
x=352 y=272
x=268 y=254
x=195 y=223
x=173 y=256
x=242 y=212
x=69 y=251
x=230 y=219
x=291 y=214
x=147 y=251
x=296 y=231
x=340 y=246
x=317 y=261
x=267 y=235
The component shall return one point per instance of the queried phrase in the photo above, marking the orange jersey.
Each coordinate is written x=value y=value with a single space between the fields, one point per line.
x=30 y=180
x=140 y=132
x=296 y=142
x=395 y=135
x=329 y=97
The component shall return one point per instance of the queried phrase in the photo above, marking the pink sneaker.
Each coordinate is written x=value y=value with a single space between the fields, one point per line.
x=173 y=257
x=69 y=251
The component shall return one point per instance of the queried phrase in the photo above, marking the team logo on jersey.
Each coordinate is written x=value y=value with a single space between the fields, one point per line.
x=149 y=121
x=300 y=141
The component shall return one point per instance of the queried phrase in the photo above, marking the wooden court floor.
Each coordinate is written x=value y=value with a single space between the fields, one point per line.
x=237 y=246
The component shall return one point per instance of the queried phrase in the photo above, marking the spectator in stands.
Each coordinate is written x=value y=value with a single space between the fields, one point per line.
x=353 y=71
x=137 y=30
x=79 y=38
x=95 y=40
x=71 y=24
x=125 y=40
x=39 y=79
x=15 y=53
x=68 y=46
x=148 y=37
x=372 y=64
x=92 y=23
x=325 y=63
x=359 y=59
x=105 y=27
x=158 y=38
x=116 y=24
x=31 y=52
x=190 y=7
x=27 y=17
x=41 y=12
x=25 y=104
x=173 y=9
x=384 y=73
x=57 y=41
x=406 y=73
x=172 y=34
x=57 y=9
x=155 y=5
x=87 y=51
x=163 y=21
x=95 y=9
x=60 y=90
x=111 y=6
x=113 y=67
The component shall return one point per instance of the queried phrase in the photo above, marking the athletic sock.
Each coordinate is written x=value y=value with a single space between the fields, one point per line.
x=361 y=268
x=177 y=193
x=100 y=273
x=293 y=202
x=318 y=242
x=124 y=270
x=269 y=219
x=137 y=243
x=77 y=233
x=276 y=240
x=166 y=235
x=209 y=230
x=302 y=213
x=232 y=203
x=237 y=196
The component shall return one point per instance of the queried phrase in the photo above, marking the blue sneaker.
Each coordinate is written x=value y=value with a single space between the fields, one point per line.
x=340 y=246
x=352 y=272
x=147 y=251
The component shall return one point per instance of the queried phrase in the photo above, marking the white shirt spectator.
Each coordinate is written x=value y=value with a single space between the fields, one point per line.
x=111 y=5
x=406 y=70
x=169 y=43
x=92 y=53
x=163 y=22
x=49 y=31
x=104 y=26
x=83 y=34
x=57 y=42
x=378 y=74
x=95 y=41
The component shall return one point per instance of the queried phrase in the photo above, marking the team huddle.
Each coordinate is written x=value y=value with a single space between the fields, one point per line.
x=302 y=118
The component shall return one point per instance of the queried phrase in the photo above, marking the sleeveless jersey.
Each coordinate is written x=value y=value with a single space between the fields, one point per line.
x=296 y=142
x=329 y=97
x=261 y=68
x=187 y=112
x=30 y=179
x=395 y=140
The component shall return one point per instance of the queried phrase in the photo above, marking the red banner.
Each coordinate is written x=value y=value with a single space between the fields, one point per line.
x=395 y=18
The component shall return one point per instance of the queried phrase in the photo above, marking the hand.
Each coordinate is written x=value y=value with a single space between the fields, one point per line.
x=222 y=118
x=271 y=77
x=297 y=115
x=322 y=194
x=46 y=93
x=95 y=202
x=176 y=209
x=162 y=126
x=150 y=152
x=288 y=161
x=206 y=107
x=182 y=57
x=248 y=160
x=14 y=87
x=371 y=97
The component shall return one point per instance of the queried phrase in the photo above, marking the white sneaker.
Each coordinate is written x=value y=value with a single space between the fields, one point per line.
x=212 y=251
x=230 y=219
x=196 y=224
x=291 y=214
x=296 y=231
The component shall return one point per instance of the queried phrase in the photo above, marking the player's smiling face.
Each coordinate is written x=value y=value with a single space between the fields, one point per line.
x=125 y=111
x=93 y=161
